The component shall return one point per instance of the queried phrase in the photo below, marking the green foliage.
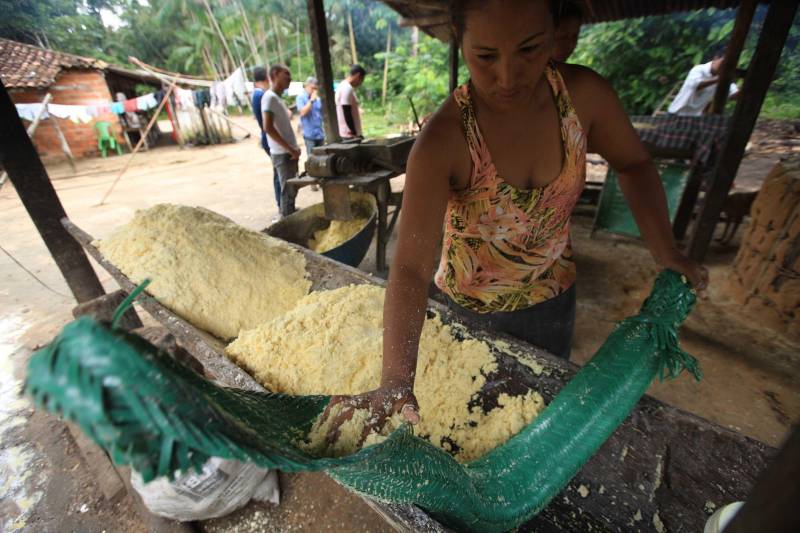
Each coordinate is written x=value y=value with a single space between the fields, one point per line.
x=643 y=58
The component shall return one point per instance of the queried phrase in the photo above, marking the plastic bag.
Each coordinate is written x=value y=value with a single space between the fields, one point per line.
x=220 y=488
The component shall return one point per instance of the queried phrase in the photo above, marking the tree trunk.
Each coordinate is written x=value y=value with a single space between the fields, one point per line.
x=414 y=41
x=248 y=32
x=386 y=65
x=353 y=52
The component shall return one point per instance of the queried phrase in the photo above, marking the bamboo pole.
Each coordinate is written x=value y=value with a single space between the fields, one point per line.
x=64 y=144
x=215 y=25
x=353 y=52
x=386 y=65
x=276 y=32
x=140 y=143
x=297 y=45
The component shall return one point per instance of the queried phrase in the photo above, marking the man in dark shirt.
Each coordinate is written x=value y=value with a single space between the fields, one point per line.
x=261 y=84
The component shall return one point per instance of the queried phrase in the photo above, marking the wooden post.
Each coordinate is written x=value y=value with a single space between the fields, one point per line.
x=744 y=16
x=453 y=64
x=33 y=186
x=64 y=145
x=772 y=506
x=32 y=129
x=322 y=65
x=759 y=76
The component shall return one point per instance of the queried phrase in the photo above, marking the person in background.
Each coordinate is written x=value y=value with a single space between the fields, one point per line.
x=280 y=135
x=568 y=27
x=261 y=84
x=698 y=89
x=347 y=110
x=310 y=108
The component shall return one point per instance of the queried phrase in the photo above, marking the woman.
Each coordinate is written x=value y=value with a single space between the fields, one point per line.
x=502 y=162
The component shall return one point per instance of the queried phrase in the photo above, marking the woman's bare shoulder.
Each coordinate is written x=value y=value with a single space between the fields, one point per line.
x=590 y=92
x=441 y=137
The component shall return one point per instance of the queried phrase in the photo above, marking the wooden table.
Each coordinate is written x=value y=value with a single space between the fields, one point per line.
x=376 y=183
x=662 y=465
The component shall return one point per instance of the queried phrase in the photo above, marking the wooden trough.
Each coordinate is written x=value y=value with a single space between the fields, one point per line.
x=662 y=467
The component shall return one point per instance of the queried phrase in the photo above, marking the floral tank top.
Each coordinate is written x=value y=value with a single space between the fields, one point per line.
x=505 y=248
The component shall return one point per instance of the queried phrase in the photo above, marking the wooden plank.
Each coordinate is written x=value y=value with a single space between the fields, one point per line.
x=103 y=472
x=744 y=17
x=322 y=66
x=30 y=179
x=762 y=68
x=661 y=462
x=103 y=308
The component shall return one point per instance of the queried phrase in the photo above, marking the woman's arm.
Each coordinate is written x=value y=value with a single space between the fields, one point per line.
x=611 y=135
x=425 y=195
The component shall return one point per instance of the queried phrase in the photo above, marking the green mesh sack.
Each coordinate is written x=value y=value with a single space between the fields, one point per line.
x=158 y=416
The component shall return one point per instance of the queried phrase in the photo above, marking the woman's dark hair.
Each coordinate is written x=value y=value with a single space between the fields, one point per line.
x=568 y=10
x=459 y=8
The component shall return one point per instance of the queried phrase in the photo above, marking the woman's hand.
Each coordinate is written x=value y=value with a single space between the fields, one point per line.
x=382 y=403
x=694 y=272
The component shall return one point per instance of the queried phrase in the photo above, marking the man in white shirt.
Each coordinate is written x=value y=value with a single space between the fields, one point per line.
x=347 y=110
x=698 y=89
x=280 y=135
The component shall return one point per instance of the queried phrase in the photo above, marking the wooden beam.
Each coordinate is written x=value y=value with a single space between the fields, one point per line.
x=32 y=129
x=26 y=171
x=759 y=76
x=772 y=506
x=424 y=22
x=744 y=16
x=322 y=65
x=453 y=64
x=433 y=5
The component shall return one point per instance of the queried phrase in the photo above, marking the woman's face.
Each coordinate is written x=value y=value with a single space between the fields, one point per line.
x=506 y=46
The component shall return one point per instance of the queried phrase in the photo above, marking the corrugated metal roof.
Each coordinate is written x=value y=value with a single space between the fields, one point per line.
x=434 y=24
x=27 y=66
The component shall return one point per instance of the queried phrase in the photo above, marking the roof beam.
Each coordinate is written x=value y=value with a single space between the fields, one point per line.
x=425 y=22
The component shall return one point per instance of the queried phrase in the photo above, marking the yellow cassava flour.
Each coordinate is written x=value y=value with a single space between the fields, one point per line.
x=330 y=343
x=217 y=275
x=339 y=232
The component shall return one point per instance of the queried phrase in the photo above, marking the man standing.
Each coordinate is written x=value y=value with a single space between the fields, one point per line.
x=347 y=103
x=280 y=135
x=261 y=84
x=698 y=89
x=310 y=108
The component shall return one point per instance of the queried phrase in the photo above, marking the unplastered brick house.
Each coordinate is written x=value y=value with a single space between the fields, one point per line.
x=29 y=73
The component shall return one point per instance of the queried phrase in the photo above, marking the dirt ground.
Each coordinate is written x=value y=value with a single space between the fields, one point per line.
x=751 y=383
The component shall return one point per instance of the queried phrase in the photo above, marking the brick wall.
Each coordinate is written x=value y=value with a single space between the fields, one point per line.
x=72 y=87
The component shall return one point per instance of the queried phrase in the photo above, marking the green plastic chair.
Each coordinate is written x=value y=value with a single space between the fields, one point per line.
x=105 y=139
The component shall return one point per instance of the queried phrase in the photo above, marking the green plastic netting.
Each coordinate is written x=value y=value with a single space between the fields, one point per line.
x=153 y=413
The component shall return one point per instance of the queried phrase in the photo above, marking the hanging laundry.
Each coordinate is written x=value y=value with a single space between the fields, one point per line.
x=29 y=111
x=101 y=109
x=130 y=105
x=185 y=98
x=159 y=95
x=202 y=98
x=218 y=95
x=117 y=108
x=146 y=102
x=235 y=88
x=75 y=113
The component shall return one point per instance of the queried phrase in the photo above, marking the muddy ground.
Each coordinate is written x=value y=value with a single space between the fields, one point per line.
x=752 y=375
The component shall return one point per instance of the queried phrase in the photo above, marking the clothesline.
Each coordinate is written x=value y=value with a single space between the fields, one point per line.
x=221 y=94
